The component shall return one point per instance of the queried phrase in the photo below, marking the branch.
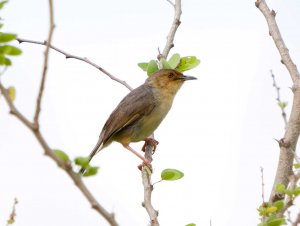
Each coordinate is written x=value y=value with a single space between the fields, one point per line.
x=67 y=167
x=71 y=56
x=283 y=114
x=46 y=57
x=13 y=213
x=149 y=148
x=175 y=24
x=289 y=141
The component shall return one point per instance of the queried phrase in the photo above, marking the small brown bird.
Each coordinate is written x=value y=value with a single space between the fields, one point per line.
x=140 y=112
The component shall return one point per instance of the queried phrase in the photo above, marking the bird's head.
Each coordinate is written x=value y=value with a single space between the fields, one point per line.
x=168 y=80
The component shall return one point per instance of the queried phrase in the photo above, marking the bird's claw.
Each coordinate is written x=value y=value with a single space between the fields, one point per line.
x=152 y=142
x=147 y=164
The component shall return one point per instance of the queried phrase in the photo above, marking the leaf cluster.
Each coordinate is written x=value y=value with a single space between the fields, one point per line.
x=7 y=50
x=175 y=62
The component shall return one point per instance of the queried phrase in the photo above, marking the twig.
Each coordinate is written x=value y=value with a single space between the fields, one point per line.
x=262 y=190
x=13 y=213
x=84 y=59
x=175 y=24
x=46 y=57
x=146 y=177
x=148 y=188
x=289 y=141
x=62 y=164
x=283 y=114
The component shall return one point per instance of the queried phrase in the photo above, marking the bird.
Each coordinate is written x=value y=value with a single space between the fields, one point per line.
x=140 y=112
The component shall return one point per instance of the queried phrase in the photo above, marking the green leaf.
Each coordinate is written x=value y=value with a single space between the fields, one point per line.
x=152 y=67
x=4 y=61
x=289 y=192
x=7 y=37
x=1 y=25
x=279 y=204
x=271 y=209
x=11 y=93
x=2 y=4
x=62 y=155
x=165 y=64
x=280 y=188
x=282 y=104
x=144 y=66
x=174 y=60
x=171 y=174
x=187 y=63
x=274 y=221
x=296 y=165
x=297 y=191
x=90 y=171
x=82 y=161
x=191 y=224
x=10 y=50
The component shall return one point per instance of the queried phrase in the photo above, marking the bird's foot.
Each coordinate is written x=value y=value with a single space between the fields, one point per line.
x=145 y=164
x=150 y=141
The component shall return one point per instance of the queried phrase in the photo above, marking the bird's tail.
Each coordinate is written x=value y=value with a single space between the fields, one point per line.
x=96 y=149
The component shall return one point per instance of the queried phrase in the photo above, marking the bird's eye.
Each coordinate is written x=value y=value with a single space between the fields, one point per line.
x=171 y=75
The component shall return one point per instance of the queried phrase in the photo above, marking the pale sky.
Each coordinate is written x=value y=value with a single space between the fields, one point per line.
x=220 y=131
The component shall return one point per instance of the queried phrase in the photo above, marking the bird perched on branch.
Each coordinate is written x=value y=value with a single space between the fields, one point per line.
x=140 y=112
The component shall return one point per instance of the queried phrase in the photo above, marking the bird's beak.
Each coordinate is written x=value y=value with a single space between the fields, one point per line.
x=185 y=78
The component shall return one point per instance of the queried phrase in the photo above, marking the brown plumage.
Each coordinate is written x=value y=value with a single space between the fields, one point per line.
x=140 y=112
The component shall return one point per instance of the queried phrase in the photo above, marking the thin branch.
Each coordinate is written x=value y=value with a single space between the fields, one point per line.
x=84 y=59
x=289 y=141
x=283 y=114
x=262 y=190
x=149 y=148
x=13 y=213
x=62 y=164
x=148 y=188
x=46 y=57
x=175 y=24
x=297 y=221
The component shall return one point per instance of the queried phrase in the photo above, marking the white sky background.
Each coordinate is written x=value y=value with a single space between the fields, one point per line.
x=219 y=132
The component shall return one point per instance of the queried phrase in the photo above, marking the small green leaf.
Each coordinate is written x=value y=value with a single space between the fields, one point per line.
x=171 y=174
x=62 y=155
x=187 y=63
x=165 y=64
x=10 y=50
x=152 y=67
x=191 y=224
x=174 y=60
x=6 y=37
x=297 y=191
x=289 y=192
x=90 y=171
x=280 y=188
x=82 y=161
x=2 y=4
x=274 y=221
x=297 y=165
x=4 y=61
x=1 y=25
x=282 y=104
x=279 y=204
x=271 y=209
x=11 y=93
x=143 y=66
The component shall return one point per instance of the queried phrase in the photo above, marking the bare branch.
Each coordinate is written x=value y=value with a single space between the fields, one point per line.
x=277 y=38
x=175 y=24
x=84 y=59
x=13 y=213
x=46 y=57
x=283 y=114
x=289 y=141
x=148 y=188
x=62 y=164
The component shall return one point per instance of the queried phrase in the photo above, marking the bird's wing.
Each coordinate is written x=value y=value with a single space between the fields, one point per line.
x=136 y=104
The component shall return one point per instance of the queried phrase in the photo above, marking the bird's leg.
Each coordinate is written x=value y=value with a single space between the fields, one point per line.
x=150 y=141
x=146 y=162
